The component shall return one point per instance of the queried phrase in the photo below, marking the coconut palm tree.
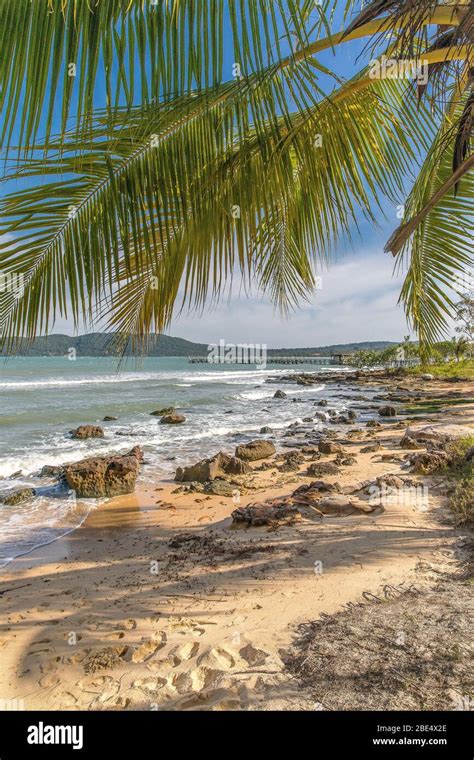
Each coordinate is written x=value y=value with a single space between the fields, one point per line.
x=156 y=148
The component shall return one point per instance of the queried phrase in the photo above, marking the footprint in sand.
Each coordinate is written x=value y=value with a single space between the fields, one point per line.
x=219 y=656
x=49 y=680
x=180 y=682
x=187 y=651
x=147 y=649
x=205 y=678
x=149 y=684
x=50 y=666
x=212 y=699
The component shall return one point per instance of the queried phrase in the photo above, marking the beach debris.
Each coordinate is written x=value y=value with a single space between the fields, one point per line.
x=255 y=450
x=104 y=659
x=172 y=419
x=253 y=656
x=324 y=498
x=87 y=431
x=98 y=477
x=18 y=496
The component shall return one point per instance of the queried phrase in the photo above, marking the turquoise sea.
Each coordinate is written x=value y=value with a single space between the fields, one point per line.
x=42 y=399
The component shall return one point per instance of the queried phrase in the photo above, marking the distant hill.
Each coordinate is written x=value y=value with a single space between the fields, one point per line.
x=105 y=344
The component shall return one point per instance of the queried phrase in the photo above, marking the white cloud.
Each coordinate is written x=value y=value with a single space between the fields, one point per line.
x=357 y=302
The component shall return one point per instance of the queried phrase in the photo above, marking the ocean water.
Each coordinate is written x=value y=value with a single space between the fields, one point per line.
x=42 y=399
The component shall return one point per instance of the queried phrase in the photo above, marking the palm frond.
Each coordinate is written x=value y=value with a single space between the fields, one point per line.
x=439 y=253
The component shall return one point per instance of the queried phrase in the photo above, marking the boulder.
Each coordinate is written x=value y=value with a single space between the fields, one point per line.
x=427 y=377
x=108 y=418
x=87 y=431
x=205 y=470
x=172 y=419
x=51 y=471
x=352 y=415
x=330 y=447
x=323 y=402
x=255 y=450
x=237 y=467
x=319 y=469
x=106 y=476
x=374 y=424
x=320 y=416
x=18 y=497
x=387 y=411
x=164 y=412
x=266 y=431
x=280 y=394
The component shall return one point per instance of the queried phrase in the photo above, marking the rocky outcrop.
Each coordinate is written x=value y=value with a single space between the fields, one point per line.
x=237 y=466
x=18 y=497
x=172 y=419
x=207 y=470
x=429 y=462
x=255 y=450
x=106 y=476
x=87 y=431
x=268 y=513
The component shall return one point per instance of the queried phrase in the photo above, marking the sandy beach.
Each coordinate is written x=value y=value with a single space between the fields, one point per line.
x=159 y=602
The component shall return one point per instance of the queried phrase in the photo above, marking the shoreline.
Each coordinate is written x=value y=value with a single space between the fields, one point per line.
x=168 y=603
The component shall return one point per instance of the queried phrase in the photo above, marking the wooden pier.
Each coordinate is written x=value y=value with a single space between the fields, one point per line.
x=322 y=361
